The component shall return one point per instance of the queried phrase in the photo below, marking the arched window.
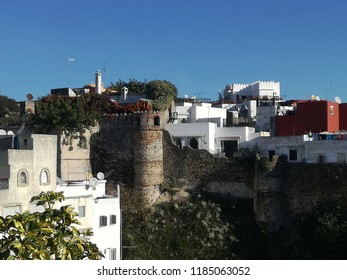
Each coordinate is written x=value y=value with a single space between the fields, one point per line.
x=44 y=177
x=23 y=178
x=157 y=120
x=194 y=143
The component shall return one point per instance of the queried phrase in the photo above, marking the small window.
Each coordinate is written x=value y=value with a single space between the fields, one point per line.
x=193 y=143
x=113 y=219
x=331 y=110
x=11 y=210
x=103 y=221
x=81 y=211
x=157 y=121
x=23 y=179
x=293 y=155
x=44 y=177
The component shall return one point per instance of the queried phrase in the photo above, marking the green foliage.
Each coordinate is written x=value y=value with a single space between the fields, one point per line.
x=163 y=93
x=50 y=234
x=182 y=230
x=134 y=86
x=9 y=111
x=70 y=115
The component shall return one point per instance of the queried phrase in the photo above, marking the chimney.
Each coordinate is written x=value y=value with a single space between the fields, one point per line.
x=124 y=93
x=98 y=82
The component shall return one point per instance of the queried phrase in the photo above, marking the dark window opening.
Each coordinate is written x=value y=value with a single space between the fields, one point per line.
x=194 y=143
x=293 y=155
x=157 y=120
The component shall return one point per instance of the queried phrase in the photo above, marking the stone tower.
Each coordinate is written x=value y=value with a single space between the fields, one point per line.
x=148 y=153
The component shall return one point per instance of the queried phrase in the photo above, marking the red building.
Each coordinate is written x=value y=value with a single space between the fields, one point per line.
x=315 y=116
x=343 y=116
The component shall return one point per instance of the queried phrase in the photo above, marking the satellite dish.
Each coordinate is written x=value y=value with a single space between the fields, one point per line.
x=338 y=100
x=100 y=176
x=2 y=132
x=93 y=182
x=313 y=97
x=317 y=98
x=10 y=132
x=30 y=96
x=185 y=96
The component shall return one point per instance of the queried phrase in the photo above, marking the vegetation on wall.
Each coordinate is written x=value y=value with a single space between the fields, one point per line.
x=162 y=92
x=71 y=115
x=50 y=234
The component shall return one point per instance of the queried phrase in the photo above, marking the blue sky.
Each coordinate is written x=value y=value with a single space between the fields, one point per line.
x=199 y=46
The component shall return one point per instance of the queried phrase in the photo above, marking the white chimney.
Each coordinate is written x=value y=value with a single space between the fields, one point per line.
x=98 y=82
x=124 y=93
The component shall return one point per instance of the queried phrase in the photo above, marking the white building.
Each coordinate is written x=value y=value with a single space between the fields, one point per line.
x=201 y=126
x=200 y=112
x=28 y=166
x=256 y=90
x=302 y=148
x=97 y=211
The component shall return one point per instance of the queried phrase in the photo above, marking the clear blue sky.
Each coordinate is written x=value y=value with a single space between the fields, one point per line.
x=198 y=45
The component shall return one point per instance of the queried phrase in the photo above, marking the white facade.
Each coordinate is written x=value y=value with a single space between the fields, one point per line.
x=97 y=211
x=302 y=149
x=26 y=172
x=209 y=136
x=31 y=169
x=200 y=112
x=256 y=90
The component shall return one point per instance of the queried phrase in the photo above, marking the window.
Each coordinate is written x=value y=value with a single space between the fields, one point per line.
x=23 y=179
x=293 y=155
x=331 y=110
x=157 y=121
x=113 y=253
x=11 y=210
x=272 y=153
x=81 y=211
x=44 y=177
x=193 y=143
x=3 y=184
x=103 y=221
x=113 y=219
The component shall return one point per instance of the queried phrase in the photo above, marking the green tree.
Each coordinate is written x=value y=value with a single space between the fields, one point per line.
x=70 y=115
x=134 y=86
x=9 y=111
x=162 y=92
x=182 y=230
x=50 y=234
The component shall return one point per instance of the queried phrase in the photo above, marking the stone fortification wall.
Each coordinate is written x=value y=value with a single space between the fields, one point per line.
x=192 y=168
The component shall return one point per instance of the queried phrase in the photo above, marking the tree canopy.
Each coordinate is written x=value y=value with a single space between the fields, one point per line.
x=9 y=111
x=50 y=234
x=191 y=229
x=71 y=115
x=162 y=92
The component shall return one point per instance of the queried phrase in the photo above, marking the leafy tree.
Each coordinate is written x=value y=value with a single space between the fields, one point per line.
x=134 y=86
x=163 y=93
x=9 y=111
x=182 y=230
x=50 y=234
x=70 y=115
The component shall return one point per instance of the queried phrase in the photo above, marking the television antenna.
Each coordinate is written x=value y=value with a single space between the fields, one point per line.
x=338 y=100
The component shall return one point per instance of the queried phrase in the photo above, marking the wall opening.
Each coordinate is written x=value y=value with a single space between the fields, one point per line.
x=230 y=146
x=157 y=121
x=193 y=143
